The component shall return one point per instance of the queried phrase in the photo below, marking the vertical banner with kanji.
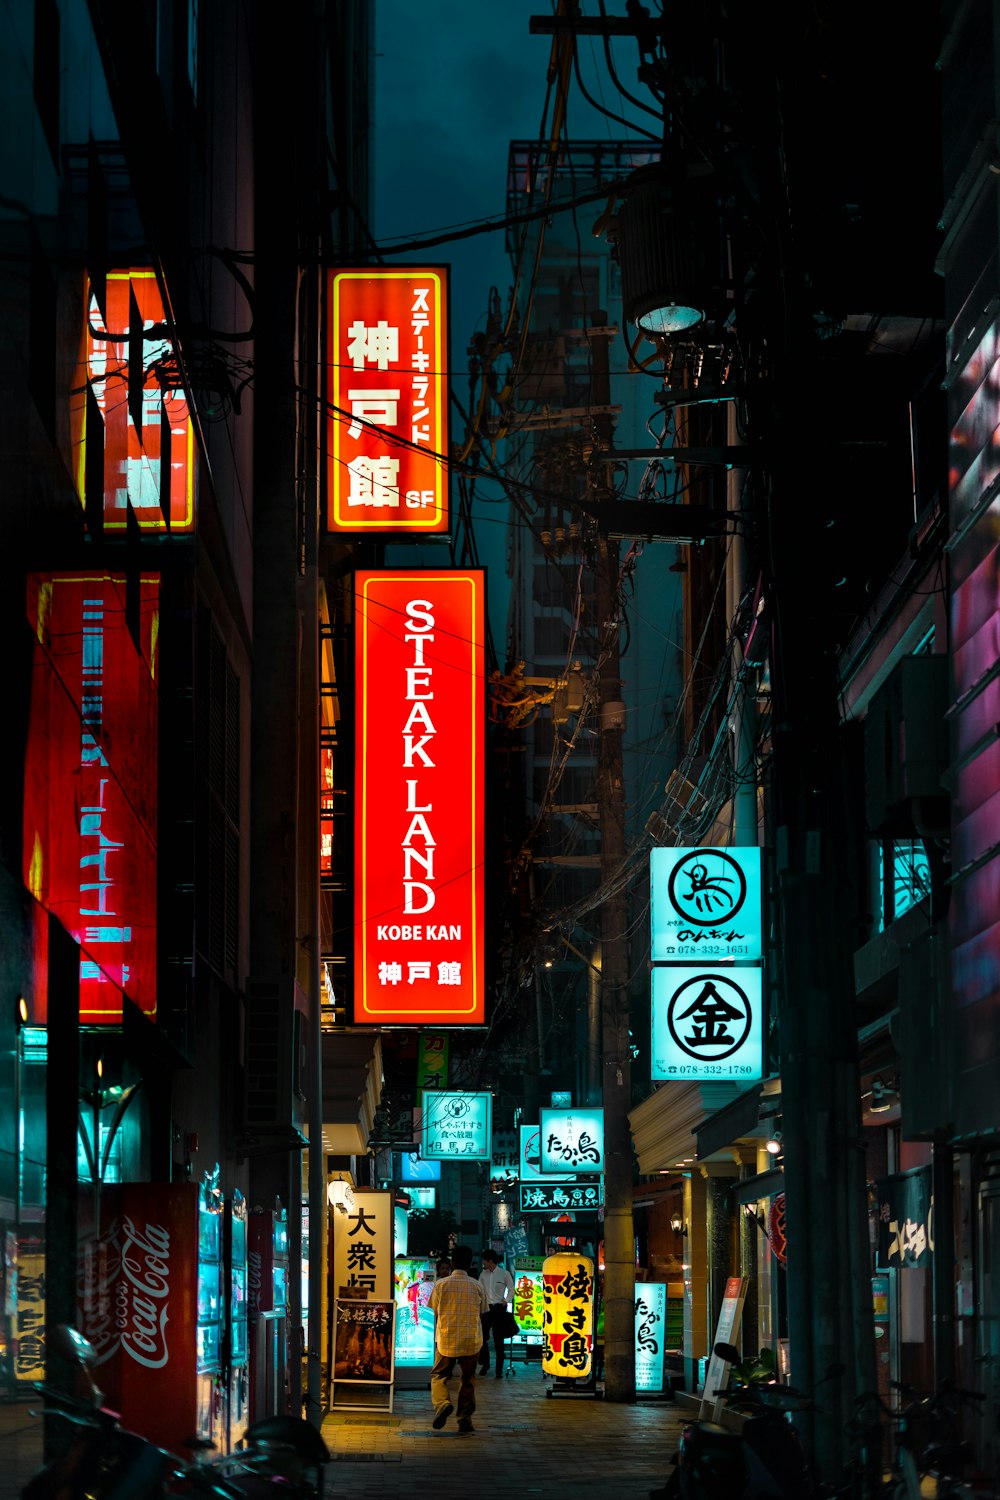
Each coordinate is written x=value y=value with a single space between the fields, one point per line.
x=432 y=1060
x=419 y=806
x=387 y=400
x=362 y=1245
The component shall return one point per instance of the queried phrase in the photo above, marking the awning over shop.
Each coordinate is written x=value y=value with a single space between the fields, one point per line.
x=352 y=1089
x=663 y=1126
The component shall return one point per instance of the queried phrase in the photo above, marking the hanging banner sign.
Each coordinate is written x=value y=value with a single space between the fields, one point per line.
x=545 y=1197
x=503 y=1156
x=650 y=1329
x=705 y=904
x=432 y=1062
x=568 y=1293
x=905 y=1219
x=387 y=400
x=362 y=1244
x=571 y=1140
x=418 y=832
x=707 y=1024
x=457 y=1125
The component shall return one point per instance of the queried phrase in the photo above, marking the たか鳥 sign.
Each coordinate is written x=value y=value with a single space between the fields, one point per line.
x=571 y=1140
x=418 y=835
x=650 y=1334
x=568 y=1324
x=387 y=393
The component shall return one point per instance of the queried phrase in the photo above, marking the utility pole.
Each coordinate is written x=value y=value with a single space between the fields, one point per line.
x=619 y=1251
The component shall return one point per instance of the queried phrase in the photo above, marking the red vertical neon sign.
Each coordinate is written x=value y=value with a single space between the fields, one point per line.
x=419 y=661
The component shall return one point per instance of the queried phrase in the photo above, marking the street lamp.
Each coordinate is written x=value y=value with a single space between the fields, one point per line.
x=670 y=251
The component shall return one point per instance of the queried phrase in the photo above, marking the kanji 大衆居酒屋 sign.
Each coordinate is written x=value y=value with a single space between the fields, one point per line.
x=387 y=400
x=418 y=833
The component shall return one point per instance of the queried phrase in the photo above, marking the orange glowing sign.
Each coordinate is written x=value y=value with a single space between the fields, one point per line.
x=419 y=660
x=387 y=395
x=129 y=367
x=568 y=1319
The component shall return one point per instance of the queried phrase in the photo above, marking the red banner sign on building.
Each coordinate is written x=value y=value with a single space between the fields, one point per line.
x=419 y=662
x=387 y=394
x=90 y=792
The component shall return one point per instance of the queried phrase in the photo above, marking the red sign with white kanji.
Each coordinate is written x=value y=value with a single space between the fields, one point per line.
x=419 y=660
x=387 y=400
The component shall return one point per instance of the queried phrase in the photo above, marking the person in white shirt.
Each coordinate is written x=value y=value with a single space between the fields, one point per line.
x=498 y=1284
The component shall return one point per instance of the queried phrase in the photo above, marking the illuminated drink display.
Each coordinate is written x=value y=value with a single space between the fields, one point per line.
x=418 y=832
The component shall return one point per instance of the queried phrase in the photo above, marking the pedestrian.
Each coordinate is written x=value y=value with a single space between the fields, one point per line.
x=498 y=1285
x=459 y=1303
x=443 y=1269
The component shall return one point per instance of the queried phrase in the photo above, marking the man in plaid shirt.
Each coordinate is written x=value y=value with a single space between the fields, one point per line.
x=458 y=1303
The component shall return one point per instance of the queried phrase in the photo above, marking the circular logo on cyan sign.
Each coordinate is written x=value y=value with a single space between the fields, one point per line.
x=707 y=887
x=709 y=1017
x=457 y=1108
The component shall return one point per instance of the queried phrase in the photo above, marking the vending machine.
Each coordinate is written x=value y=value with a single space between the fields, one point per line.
x=153 y=1306
x=237 y=1343
x=267 y=1265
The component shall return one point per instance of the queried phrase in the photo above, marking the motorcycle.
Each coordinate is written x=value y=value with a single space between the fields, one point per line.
x=102 y=1460
x=763 y=1461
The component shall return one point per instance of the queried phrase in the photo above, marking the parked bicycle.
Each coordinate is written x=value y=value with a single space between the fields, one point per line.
x=926 y=1444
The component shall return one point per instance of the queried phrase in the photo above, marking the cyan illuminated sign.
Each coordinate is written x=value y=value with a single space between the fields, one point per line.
x=422 y=1197
x=705 y=905
x=457 y=1125
x=414 y=1282
x=412 y=1168
x=707 y=1024
x=571 y=1140
x=504 y=1156
x=559 y=1197
x=650 y=1334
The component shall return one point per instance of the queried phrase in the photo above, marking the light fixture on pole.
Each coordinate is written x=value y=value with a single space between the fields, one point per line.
x=670 y=248
x=883 y=1096
x=773 y=1146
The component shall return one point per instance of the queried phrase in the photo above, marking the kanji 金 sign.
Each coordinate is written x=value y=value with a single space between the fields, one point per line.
x=707 y=1023
x=705 y=905
x=387 y=400
x=418 y=833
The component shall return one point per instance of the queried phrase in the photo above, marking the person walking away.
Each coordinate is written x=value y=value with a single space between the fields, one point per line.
x=458 y=1303
x=498 y=1285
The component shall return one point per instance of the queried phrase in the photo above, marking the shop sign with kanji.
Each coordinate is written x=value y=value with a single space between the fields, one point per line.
x=568 y=1327
x=705 y=904
x=363 y=1245
x=707 y=1024
x=650 y=1331
x=504 y=1157
x=571 y=1140
x=905 y=1223
x=539 y=1197
x=457 y=1125
x=387 y=400
x=529 y=1154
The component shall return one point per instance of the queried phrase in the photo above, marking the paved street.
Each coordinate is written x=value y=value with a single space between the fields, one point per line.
x=525 y=1443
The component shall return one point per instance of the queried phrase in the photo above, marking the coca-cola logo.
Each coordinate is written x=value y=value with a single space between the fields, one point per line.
x=144 y=1292
x=100 y=1266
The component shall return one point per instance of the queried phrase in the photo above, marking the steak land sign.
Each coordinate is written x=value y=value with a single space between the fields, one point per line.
x=419 y=657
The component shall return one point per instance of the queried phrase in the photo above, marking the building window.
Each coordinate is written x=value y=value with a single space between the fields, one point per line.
x=904 y=877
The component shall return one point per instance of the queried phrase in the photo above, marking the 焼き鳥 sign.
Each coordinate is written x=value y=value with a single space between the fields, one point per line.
x=418 y=835
x=568 y=1327
x=387 y=400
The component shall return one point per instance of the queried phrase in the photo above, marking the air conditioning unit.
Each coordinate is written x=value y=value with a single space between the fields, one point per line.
x=906 y=750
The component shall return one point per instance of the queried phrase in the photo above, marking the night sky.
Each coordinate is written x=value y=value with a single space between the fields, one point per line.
x=455 y=83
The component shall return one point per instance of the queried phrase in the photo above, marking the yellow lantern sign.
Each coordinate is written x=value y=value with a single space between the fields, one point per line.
x=568 y=1325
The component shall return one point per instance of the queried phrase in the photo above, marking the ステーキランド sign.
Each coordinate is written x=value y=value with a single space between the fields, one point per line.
x=387 y=400
x=419 y=662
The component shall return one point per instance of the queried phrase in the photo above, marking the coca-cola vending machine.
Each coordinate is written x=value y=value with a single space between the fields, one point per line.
x=237 y=1345
x=267 y=1261
x=150 y=1300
